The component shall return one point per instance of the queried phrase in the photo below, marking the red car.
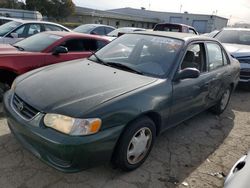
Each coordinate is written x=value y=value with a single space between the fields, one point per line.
x=44 y=49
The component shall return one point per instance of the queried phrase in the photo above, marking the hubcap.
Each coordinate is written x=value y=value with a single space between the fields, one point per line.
x=225 y=99
x=139 y=145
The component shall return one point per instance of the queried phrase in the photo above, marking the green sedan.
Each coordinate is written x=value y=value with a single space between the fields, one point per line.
x=112 y=106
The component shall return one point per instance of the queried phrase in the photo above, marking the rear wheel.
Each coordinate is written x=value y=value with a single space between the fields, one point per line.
x=135 y=144
x=223 y=102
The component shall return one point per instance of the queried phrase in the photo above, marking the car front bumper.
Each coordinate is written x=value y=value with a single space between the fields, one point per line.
x=63 y=152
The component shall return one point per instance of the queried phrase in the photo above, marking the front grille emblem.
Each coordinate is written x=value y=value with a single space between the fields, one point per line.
x=20 y=106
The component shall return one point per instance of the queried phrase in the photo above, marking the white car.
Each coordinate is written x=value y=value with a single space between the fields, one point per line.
x=17 y=30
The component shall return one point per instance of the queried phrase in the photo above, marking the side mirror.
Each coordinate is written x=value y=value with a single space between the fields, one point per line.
x=60 y=50
x=187 y=73
x=14 y=35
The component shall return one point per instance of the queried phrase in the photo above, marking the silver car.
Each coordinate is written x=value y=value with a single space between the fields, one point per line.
x=17 y=30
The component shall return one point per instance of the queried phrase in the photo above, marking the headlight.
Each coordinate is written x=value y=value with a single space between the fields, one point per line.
x=72 y=126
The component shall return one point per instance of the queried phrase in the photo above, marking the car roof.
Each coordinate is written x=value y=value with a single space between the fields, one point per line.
x=177 y=35
x=97 y=25
x=6 y=18
x=37 y=21
x=236 y=29
x=74 y=34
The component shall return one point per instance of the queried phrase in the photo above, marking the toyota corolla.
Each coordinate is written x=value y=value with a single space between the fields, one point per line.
x=112 y=106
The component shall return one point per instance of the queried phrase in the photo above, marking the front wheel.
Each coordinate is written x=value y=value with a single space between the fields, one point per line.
x=223 y=102
x=135 y=144
x=3 y=89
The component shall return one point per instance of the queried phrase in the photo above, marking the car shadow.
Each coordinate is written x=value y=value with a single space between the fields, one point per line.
x=240 y=97
x=176 y=154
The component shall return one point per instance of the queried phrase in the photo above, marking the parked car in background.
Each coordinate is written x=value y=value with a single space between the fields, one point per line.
x=44 y=49
x=17 y=30
x=211 y=34
x=4 y=20
x=94 y=29
x=120 y=31
x=174 y=27
x=112 y=106
x=237 y=42
x=239 y=174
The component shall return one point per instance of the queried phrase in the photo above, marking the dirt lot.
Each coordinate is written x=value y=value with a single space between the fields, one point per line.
x=195 y=154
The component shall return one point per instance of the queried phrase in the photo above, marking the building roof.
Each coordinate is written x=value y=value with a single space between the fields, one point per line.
x=111 y=14
x=152 y=14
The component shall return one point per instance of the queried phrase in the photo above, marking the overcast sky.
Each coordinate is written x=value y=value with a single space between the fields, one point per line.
x=235 y=10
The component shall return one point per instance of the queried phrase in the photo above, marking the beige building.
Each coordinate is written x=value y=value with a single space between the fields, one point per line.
x=86 y=16
x=130 y=17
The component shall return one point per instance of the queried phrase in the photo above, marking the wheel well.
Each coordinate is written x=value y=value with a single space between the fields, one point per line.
x=7 y=77
x=156 y=118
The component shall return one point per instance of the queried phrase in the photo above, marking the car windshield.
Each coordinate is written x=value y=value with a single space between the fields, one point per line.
x=37 y=43
x=234 y=36
x=6 y=28
x=145 y=54
x=84 y=28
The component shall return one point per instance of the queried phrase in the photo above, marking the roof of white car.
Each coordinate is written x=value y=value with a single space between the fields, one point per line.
x=236 y=29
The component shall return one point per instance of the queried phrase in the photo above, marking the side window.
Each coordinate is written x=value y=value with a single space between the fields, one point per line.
x=90 y=44
x=215 y=58
x=191 y=31
x=21 y=32
x=34 y=29
x=108 y=30
x=101 y=43
x=99 y=31
x=80 y=45
x=49 y=27
x=74 y=45
x=195 y=58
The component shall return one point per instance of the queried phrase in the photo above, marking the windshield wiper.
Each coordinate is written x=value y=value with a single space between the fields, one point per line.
x=124 y=67
x=97 y=58
x=18 y=47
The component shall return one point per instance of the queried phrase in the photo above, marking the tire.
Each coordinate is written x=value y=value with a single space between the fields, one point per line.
x=135 y=144
x=3 y=88
x=221 y=105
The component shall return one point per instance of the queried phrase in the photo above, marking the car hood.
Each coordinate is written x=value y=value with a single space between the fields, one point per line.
x=8 y=50
x=238 y=50
x=75 y=87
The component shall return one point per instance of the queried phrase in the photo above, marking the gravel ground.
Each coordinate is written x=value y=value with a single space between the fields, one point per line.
x=197 y=153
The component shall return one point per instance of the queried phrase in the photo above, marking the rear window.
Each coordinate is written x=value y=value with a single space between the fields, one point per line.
x=166 y=27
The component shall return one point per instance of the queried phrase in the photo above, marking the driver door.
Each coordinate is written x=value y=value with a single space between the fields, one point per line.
x=77 y=49
x=189 y=95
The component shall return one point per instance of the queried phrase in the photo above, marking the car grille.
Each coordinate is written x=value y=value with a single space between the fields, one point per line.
x=23 y=109
x=245 y=74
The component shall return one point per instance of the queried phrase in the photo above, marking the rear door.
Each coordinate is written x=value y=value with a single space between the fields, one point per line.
x=218 y=67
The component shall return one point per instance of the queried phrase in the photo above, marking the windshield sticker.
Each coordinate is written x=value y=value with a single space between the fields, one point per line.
x=166 y=41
